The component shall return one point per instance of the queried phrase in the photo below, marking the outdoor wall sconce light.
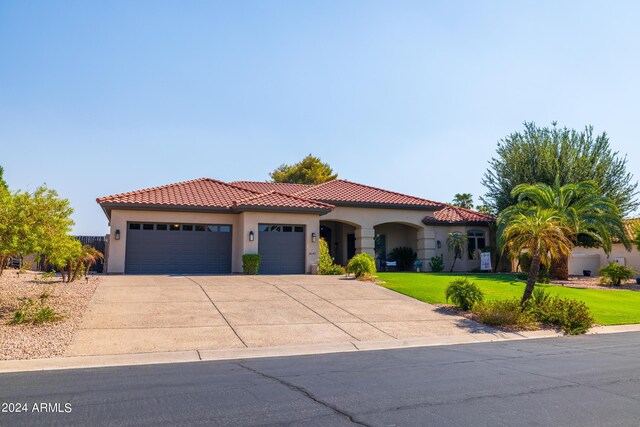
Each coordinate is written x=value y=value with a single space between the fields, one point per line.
x=251 y=236
x=439 y=243
x=313 y=237
x=117 y=236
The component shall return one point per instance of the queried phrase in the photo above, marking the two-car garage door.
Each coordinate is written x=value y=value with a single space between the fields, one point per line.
x=178 y=249
x=206 y=249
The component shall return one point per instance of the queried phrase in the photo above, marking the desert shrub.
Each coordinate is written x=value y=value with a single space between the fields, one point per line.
x=540 y=297
x=570 y=315
x=404 y=256
x=361 y=264
x=614 y=273
x=326 y=264
x=505 y=313
x=463 y=293
x=45 y=314
x=436 y=264
x=251 y=263
x=30 y=311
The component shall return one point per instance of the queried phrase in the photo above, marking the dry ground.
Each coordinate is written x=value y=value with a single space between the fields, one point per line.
x=46 y=340
x=594 y=283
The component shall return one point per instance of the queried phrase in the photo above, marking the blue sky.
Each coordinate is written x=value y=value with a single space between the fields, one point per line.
x=98 y=98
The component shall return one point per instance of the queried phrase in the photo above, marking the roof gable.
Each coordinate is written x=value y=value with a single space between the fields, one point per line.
x=345 y=192
x=457 y=215
x=265 y=187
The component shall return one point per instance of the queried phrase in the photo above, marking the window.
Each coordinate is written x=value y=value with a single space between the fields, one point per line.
x=134 y=226
x=275 y=228
x=476 y=242
x=161 y=226
x=263 y=227
x=287 y=229
x=225 y=228
x=147 y=226
x=199 y=227
x=298 y=229
x=213 y=228
x=187 y=227
x=174 y=227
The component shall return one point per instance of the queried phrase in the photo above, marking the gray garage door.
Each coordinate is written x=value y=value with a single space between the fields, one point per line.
x=282 y=249
x=178 y=249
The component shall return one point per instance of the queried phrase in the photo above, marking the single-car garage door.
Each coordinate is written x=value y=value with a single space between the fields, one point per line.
x=178 y=249
x=282 y=248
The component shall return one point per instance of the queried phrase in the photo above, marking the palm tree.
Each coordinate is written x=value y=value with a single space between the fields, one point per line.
x=591 y=218
x=541 y=233
x=463 y=200
x=90 y=257
x=457 y=243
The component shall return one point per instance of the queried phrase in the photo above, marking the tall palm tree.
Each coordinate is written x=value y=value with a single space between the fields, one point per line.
x=541 y=233
x=90 y=257
x=463 y=200
x=591 y=219
x=457 y=243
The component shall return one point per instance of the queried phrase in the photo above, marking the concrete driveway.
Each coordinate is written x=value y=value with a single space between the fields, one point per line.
x=139 y=314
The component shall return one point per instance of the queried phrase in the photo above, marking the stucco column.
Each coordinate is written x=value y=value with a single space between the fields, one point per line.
x=365 y=240
x=426 y=245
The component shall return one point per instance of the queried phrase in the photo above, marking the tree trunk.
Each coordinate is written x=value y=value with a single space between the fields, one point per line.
x=454 y=263
x=69 y=272
x=86 y=271
x=531 y=280
x=560 y=268
x=3 y=261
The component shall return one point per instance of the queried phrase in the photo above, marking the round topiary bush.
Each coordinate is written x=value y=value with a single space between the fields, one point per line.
x=361 y=264
x=464 y=294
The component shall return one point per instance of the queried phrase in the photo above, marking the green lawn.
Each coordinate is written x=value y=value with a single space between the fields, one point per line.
x=608 y=307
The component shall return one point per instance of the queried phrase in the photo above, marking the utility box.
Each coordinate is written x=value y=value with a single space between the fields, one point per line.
x=620 y=260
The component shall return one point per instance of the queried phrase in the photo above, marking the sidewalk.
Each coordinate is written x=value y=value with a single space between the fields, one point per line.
x=76 y=362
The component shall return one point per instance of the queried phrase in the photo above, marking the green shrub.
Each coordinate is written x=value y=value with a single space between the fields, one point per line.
x=615 y=273
x=251 y=263
x=326 y=264
x=404 y=256
x=45 y=314
x=505 y=313
x=361 y=264
x=436 y=264
x=30 y=312
x=464 y=294
x=572 y=316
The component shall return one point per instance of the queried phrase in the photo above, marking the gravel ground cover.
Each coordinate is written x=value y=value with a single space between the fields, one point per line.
x=594 y=283
x=28 y=341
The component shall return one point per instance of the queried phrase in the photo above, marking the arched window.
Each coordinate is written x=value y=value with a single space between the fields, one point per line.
x=476 y=242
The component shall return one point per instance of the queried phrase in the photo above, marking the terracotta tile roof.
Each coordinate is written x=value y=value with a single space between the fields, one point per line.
x=275 y=199
x=632 y=226
x=265 y=187
x=203 y=192
x=209 y=193
x=454 y=214
x=340 y=191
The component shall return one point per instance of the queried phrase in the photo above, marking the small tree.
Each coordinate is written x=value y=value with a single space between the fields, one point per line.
x=540 y=232
x=457 y=243
x=310 y=170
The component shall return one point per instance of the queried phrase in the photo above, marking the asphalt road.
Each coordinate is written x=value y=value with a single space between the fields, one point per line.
x=572 y=381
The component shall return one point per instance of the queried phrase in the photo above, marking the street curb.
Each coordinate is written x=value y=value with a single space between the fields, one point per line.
x=79 y=362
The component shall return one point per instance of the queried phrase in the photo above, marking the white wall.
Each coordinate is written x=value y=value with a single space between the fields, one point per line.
x=576 y=261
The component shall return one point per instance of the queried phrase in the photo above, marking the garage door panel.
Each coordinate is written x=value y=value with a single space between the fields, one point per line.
x=281 y=252
x=178 y=252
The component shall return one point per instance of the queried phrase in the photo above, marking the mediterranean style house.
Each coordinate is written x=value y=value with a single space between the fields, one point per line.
x=204 y=226
x=591 y=259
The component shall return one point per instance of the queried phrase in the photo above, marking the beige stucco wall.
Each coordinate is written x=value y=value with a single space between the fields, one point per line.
x=463 y=264
x=242 y=224
x=577 y=259
x=366 y=219
x=250 y=220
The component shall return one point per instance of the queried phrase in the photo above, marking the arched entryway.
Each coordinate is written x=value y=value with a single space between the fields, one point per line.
x=391 y=235
x=341 y=239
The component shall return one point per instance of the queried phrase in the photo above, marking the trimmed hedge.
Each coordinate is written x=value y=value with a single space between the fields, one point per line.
x=251 y=263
